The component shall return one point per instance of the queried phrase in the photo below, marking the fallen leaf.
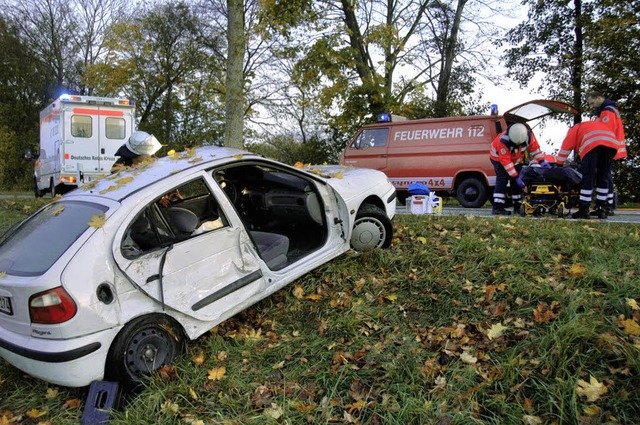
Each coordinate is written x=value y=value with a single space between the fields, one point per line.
x=51 y=393
x=592 y=390
x=630 y=327
x=633 y=304
x=217 y=373
x=544 y=313
x=97 y=221
x=57 y=210
x=199 y=358
x=193 y=394
x=358 y=405
x=298 y=292
x=35 y=413
x=299 y=164
x=468 y=358
x=73 y=403
x=577 y=270
x=531 y=420
x=274 y=412
x=496 y=331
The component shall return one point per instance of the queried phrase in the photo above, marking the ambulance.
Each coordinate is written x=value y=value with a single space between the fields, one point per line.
x=448 y=155
x=79 y=136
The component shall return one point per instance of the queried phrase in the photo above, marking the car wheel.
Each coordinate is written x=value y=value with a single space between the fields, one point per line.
x=471 y=193
x=143 y=346
x=372 y=229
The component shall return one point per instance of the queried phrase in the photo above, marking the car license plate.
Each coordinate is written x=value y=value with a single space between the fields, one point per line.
x=5 y=305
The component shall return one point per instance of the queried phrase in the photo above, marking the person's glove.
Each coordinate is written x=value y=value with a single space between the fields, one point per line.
x=544 y=164
x=520 y=183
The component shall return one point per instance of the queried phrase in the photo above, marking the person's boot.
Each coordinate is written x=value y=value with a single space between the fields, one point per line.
x=583 y=212
x=601 y=211
x=517 y=206
x=499 y=211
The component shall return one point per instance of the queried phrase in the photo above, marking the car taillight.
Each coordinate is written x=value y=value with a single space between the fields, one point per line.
x=51 y=307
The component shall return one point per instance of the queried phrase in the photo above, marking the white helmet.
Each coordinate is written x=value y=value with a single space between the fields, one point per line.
x=143 y=143
x=518 y=134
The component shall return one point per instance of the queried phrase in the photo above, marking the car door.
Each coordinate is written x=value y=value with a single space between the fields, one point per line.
x=203 y=275
x=536 y=109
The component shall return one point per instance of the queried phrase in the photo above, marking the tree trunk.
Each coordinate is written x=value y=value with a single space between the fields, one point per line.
x=577 y=69
x=449 y=55
x=234 y=103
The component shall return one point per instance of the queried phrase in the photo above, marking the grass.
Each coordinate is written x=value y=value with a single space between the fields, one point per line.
x=464 y=320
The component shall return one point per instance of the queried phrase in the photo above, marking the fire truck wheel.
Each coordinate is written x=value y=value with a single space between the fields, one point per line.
x=471 y=193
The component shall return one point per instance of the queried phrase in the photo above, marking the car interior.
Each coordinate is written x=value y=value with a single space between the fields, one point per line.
x=281 y=211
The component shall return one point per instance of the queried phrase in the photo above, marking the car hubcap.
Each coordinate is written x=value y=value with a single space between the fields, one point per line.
x=367 y=233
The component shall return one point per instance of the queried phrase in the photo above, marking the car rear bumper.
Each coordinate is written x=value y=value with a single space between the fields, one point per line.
x=71 y=363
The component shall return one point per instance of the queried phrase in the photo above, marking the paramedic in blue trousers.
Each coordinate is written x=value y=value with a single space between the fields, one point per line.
x=596 y=146
x=506 y=154
x=606 y=111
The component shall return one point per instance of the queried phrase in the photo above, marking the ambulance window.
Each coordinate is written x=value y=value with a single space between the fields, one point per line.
x=372 y=138
x=115 y=128
x=81 y=126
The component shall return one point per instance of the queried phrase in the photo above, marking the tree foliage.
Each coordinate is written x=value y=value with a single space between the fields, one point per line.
x=578 y=46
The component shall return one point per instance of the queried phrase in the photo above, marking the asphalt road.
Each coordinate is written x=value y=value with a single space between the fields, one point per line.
x=620 y=216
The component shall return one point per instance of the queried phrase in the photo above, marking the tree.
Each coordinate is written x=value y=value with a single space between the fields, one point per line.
x=235 y=76
x=162 y=59
x=550 y=43
x=361 y=58
x=566 y=41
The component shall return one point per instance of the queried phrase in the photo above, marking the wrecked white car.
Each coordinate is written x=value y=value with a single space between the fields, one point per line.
x=110 y=280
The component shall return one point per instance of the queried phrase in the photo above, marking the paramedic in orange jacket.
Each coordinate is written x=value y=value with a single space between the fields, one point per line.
x=606 y=111
x=506 y=154
x=596 y=146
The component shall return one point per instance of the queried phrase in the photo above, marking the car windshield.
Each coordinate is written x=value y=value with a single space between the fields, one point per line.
x=35 y=245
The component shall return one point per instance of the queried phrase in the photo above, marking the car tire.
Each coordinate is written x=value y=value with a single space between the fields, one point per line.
x=471 y=193
x=372 y=229
x=143 y=346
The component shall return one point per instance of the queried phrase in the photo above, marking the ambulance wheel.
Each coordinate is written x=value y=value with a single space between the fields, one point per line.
x=37 y=191
x=471 y=193
x=372 y=229
x=143 y=346
x=52 y=188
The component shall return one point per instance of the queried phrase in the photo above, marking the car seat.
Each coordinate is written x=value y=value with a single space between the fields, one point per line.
x=272 y=248
x=182 y=221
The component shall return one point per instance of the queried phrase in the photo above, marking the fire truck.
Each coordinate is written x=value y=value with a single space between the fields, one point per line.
x=448 y=155
x=79 y=136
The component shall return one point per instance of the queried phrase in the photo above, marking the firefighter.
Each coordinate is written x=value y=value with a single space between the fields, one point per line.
x=596 y=146
x=606 y=111
x=138 y=148
x=506 y=155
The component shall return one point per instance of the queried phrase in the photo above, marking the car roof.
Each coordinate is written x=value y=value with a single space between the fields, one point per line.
x=123 y=183
x=536 y=109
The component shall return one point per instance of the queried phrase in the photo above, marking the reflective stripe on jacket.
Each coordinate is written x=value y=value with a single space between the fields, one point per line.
x=510 y=155
x=610 y=116
x=584 y=137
